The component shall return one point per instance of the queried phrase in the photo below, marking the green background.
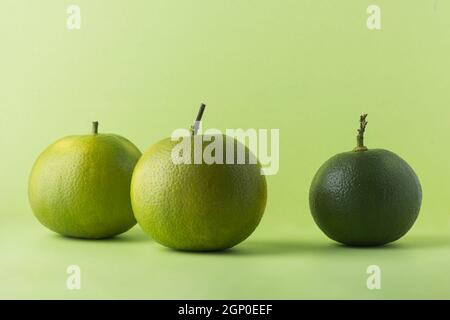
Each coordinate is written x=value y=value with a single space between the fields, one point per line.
x=309 y=68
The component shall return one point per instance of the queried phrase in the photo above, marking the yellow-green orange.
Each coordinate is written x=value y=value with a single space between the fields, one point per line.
x=197 y=206
x=79 y=186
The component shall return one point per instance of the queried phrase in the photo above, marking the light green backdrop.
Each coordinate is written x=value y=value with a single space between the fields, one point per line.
x=309 y=68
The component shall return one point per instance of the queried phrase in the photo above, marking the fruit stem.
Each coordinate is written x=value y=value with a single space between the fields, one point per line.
x=196 y=125
x=360 y=137
x=95 y=127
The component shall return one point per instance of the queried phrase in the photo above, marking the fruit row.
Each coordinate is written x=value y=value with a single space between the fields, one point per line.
x=100 y=185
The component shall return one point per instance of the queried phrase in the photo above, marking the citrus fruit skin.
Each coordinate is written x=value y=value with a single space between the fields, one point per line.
x=79 y=186
x=365 y=198
x=196 y=207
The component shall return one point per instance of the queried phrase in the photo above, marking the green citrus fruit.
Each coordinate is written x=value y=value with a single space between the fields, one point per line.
x=365 y=197
x=80 y=185
x=198 y=207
